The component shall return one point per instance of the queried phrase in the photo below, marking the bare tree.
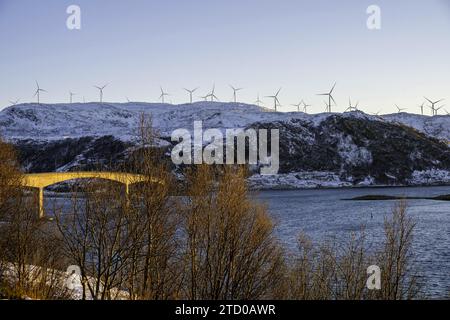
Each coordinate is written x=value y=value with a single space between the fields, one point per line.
x=155 y=271
x=337 y=270
x=231 y=252
x=399 y=276
x=30 y=254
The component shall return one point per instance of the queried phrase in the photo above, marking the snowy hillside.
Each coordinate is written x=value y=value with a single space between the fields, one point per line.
x=58 y=121
x=437 y=126
x=319 y=150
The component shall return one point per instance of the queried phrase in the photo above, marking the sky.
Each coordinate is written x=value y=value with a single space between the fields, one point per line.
x=260 y=45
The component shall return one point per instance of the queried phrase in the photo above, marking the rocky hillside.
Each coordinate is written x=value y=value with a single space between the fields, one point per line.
x=322 y=150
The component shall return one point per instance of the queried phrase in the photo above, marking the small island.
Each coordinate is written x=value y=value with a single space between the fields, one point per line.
x=445 y=197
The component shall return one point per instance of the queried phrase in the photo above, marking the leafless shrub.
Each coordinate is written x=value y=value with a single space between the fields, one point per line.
x=334 y=270
x=230 y=251
x=29 y=252
x=399 y=277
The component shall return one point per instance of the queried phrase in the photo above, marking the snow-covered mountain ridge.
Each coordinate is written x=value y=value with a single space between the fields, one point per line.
x=316 y=150
x=58 y=121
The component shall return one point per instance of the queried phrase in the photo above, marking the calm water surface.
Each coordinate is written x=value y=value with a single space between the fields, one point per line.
x=322 y=214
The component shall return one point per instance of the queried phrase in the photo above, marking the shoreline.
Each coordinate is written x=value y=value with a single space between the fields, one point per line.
x=64 y=194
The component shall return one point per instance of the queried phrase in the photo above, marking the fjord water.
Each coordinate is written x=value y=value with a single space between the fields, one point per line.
x=322 y=214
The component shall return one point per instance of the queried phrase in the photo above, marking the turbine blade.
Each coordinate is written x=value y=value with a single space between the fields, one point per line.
x=333 y=88
x=333 y=100
x=428 y=100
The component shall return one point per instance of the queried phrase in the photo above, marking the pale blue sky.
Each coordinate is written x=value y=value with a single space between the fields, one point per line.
x=261 y=45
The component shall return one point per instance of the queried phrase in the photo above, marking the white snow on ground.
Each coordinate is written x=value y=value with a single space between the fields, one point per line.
x=437 y=126
x=351 y=153
x=433 y=176
x=58 y=121
x=297 y=180
x=69 y=283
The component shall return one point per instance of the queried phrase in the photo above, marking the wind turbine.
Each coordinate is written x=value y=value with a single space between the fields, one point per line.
x=305 y=106
x=38 y=91
x=352 y=107
x=258 y=101
x=190 y=93
x=298 y=105
x=276 y=102
x=71 y=94
x=330 y=97
x=205 y=98
x=437 y=110
x=235 y=90
x=433 y=103
x=101 y=91
x=14 y=102
x=421 y=107
x=163 y=94
x=212 y=95
x=400 y=109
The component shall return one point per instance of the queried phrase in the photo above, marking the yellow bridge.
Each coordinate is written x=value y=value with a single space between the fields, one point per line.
x=42 y=180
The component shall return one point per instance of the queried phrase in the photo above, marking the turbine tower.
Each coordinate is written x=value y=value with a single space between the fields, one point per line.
x=433 y=104
x=212 y=95
x=298 y=105
x=190 y=93
x=437 y=110
x=71 y=94
x=305 y=107
x=421 y=107
x=38 y=91
x=100 y=89
x=330 y=97
x=163 y=94
x=235 y=90
x=351 y=107
x=276 y=102
x=258 y=101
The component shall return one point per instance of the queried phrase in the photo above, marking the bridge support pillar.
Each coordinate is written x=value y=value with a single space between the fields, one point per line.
x=41 y=203
x=127 y=197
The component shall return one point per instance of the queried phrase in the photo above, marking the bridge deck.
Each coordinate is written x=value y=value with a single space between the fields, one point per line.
x=42 y=180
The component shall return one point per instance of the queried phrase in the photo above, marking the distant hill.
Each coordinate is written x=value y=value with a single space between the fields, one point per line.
x=320 y=150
